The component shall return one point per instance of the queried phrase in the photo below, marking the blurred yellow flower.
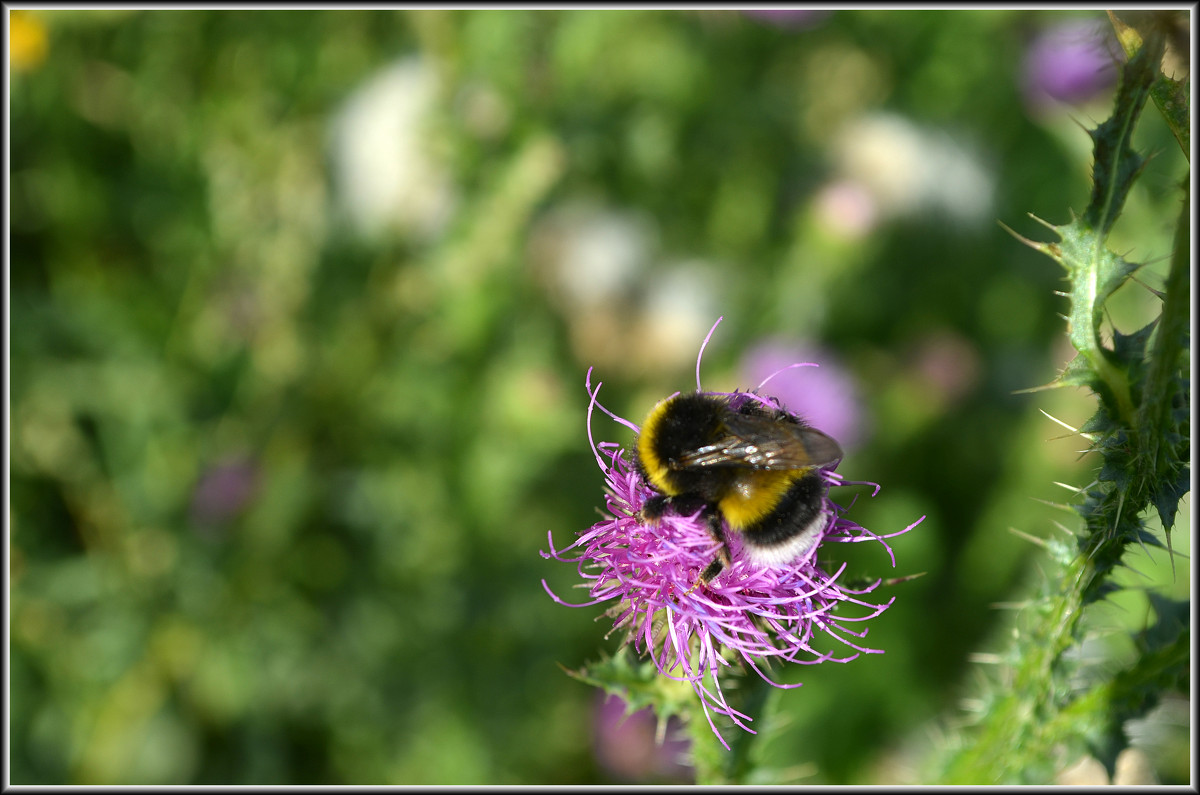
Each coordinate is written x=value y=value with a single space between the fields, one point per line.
x=26 y=40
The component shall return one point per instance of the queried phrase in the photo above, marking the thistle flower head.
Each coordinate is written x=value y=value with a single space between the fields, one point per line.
x=648 y=573
x=1070 y=62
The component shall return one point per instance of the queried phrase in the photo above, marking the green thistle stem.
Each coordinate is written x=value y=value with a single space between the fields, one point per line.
x=1040 y=717
x=1154 y=421
x=714 y=765
x=1022 y=727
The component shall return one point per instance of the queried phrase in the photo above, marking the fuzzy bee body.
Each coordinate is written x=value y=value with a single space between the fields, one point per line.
x=754 y=470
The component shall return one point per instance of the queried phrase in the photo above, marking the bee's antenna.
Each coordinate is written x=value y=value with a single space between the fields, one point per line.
x=781 y=369
x=703 y=345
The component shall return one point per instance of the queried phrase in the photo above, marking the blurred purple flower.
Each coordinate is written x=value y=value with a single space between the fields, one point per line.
x=627 y=746
x=826 y=396
x=1070 y=62
x=790 y=18
x=949 y=365
x=650 y=571
x=224 y=491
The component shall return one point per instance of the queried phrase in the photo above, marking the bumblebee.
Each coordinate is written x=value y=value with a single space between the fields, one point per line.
x=754 y=469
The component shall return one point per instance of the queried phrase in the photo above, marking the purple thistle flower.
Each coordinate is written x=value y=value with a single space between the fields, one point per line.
x=224 y=491
x=748 y=612
x=826 y=395
x=789 y=18
x=1071 y=62
x=627 y=747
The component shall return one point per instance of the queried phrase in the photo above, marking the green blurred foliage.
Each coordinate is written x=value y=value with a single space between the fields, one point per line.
x=279 y=485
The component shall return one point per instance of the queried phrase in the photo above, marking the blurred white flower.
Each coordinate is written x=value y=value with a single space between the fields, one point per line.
x=678 y=306
x=386 y=175
x=591 y=256
x=1133 y=769
x=625 y=307
x=912 y=171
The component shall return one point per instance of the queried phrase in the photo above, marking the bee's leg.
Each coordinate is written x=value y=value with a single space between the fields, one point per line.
x=653 y=508
x=712 y=570
x=684 y=504
x=658 y=505
x=712 y=518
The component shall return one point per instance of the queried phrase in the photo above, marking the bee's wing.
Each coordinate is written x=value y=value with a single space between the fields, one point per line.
x=755 y=442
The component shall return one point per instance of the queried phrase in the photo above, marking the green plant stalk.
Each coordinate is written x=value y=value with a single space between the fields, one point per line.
x=1095 y=272
x=1024 y=721
x=1170 y=96
x=750 y=695
x=1037 y=719
x=1154 y=420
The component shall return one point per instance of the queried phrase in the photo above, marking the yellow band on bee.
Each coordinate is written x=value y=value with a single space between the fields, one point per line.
x=756 y=495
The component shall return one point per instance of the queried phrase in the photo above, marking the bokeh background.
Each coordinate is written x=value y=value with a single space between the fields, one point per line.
x=301 y=307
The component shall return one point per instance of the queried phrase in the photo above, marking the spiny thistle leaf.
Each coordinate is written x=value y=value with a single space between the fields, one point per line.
x=1078 y=373
x=1174 y=617
x=1167 y=497
x=637 y=682
x=1164 y=414
x=1170 y=96
x=1116 y=164
x=1095 y=273
x=1130 y=349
